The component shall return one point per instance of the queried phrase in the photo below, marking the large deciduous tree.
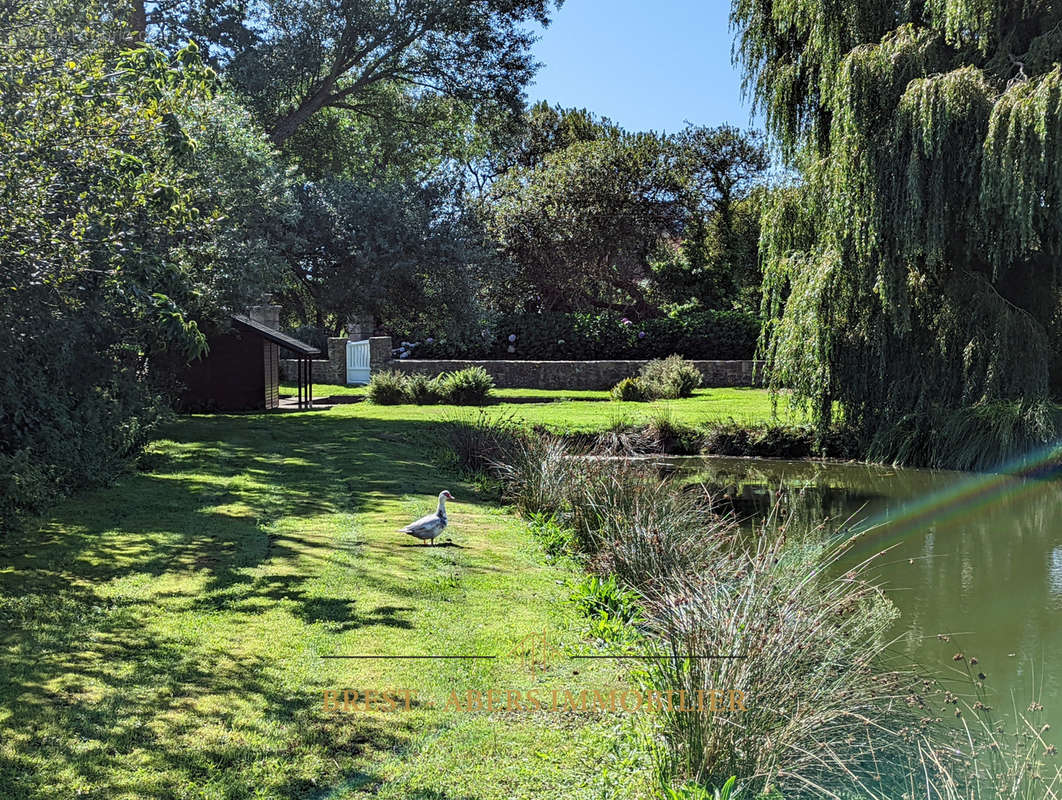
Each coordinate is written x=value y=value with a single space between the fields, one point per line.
x=137 y=201
x=595 y=217
x=723 y=171
x=912 y=272
x=293 y=58
x=399 y=252
x=582 y=224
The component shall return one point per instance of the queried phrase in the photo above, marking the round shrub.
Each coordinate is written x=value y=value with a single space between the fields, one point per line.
x=630 y=390
x=388 y=388
x=670 y=378
x=472 y=386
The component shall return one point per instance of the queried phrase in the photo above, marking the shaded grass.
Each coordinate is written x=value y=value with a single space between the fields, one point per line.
x=162 y=638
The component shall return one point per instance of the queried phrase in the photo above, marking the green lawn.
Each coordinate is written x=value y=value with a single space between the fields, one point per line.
x=575 y=410
x=163 y=638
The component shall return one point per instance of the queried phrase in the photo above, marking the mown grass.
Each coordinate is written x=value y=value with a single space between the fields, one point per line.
x=583 y=411
x=163 y=638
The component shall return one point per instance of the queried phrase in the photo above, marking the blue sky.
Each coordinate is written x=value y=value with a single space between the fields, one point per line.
x=645 y=65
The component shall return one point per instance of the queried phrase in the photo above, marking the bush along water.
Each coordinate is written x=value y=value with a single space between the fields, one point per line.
x=821 y=711
x=561 y=337
x=472 y=386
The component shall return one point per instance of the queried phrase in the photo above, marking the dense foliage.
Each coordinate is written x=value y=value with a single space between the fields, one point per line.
x=559 y=337
x=670 y=378
x=121 y=170
x=592 y=216
x=913 y=270
x=660 y=379
x=583 y=225
x=393 y=250
x=293 y=60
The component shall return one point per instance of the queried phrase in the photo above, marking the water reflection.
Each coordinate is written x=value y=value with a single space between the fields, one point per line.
x=978 y=559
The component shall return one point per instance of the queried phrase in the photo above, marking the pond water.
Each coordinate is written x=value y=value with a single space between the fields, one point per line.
x=977 y=558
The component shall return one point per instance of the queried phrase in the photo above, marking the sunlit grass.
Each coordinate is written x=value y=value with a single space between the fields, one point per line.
x=162 y=638
x=562 y=410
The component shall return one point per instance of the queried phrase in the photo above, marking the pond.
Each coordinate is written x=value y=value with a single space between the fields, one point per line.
x=975 y=558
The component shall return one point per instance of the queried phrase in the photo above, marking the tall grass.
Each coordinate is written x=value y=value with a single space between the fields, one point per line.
x=980 y=437
x=636 y=526
x=477 y=444
x=537 y=473
x=824 y=716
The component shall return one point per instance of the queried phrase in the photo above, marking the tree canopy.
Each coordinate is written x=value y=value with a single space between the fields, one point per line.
x=392 y=251
x=138 y=202
x=292 y=58
x=592 y=216
x=912 y=271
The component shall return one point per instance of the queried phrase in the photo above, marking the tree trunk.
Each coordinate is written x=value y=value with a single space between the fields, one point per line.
x=138 y=21
x=284 y=127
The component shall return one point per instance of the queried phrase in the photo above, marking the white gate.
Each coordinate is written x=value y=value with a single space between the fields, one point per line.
x=357 y=362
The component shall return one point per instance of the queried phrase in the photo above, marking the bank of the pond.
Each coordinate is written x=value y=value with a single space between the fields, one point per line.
x=725 y=421
x=804 y=609
x=166 y=636
x=748 y=422
x=974 y=561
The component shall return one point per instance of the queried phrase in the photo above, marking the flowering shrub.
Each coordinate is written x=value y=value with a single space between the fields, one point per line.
x=560 y=337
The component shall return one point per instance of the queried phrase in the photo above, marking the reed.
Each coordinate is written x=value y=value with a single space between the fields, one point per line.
x=823 y=715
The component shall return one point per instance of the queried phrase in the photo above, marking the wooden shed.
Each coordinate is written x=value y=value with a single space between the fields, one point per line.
x=241 y=370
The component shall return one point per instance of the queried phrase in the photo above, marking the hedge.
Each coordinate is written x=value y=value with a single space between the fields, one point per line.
x=710 y=335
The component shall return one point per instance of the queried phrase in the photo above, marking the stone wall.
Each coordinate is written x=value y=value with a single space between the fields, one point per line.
x=516 y=374
x=330 y=370
x=580 y=374
x=333 y=370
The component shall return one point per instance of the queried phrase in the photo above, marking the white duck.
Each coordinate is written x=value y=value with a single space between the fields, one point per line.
x=427 y=528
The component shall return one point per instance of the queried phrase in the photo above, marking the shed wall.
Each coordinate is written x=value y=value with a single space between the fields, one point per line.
x=231 y=377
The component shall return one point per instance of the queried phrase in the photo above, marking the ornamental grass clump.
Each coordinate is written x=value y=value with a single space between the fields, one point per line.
x=803 y=643
x=538 y=473
x=472 y=386
x=478 y=444
x=388 y=388
x=635 y=525
x=425 y=391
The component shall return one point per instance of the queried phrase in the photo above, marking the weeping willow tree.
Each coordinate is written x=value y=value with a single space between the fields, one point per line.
x=911 y=278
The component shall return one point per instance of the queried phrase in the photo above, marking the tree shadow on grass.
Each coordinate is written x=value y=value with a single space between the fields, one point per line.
x=118 y=692
x=96 y=701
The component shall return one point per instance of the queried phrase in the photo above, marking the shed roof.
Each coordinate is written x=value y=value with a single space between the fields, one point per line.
x=273 y=335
